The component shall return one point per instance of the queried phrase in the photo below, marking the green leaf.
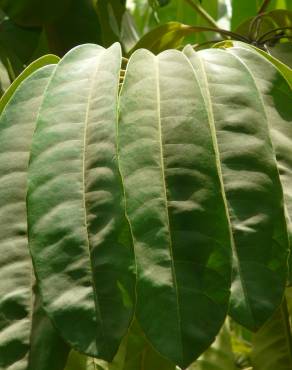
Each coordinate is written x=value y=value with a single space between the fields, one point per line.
x=170 y=36
x=282 y=52
x=17 y=46
x=136 y=353
x=110 y=14
x=182 y=11
x=276 y=95
x=27 y=339
x=79 y=236
x=263 y=29
x=242 y=10
x=166 y=36
x=76 y=361
x=37 y=64
x=33 y=13
x=79 y=25
x=250 y=178
x=282 y=68
x=219 y=356
x=174 y=204
x=129 y=34
x=272 y=344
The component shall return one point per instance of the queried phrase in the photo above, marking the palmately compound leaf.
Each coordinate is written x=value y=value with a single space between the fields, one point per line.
x=27 y=338
x=79 y=236
x=252 y=187
x=175 y=205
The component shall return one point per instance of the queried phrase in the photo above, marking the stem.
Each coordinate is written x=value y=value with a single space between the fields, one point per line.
x=200 y=10
x=272 y=31
x=276 y=38
x=254 y=26
x=264 y=6
x=218 y=30
x=205 y=43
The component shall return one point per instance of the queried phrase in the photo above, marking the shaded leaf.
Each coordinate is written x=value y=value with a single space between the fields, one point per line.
x=136 y=353
x=174 y=204
x=251 y=181
x=166 y=36
x=17 y=46
x=79 y=236
x=282 y=52
x=110 y=14
x=219 y=356
x=241 y=10
x=272 y=344
x=276 y=95
x=263 y=28
x=27 y=338
x=32 y=13
x=79 y=25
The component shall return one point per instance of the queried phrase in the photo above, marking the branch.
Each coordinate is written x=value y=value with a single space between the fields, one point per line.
x=261 y=39
x=200 y=10
x=222 y=32
x=264 y=6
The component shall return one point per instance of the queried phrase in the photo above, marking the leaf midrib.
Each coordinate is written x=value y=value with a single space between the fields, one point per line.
x=211 y=120
x=86 y=124
x=170 y=244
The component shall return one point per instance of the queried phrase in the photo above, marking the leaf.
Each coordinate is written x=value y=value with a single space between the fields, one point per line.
x=250 y=179
x=166 y=36
x=182 y=11
x=263 y=30
x=27 y=339
x=272 y=344
x=276 y=95
x=110 y=14
x=136 y=353
x=65 y=33
x=79 y=236
x=17 y=46
x=129 y=34
x=170 y=36
x=37 y=64
x=241 y=10
x=282 y=68
x=76 y=361
x=33 y=13
x=174 y=204
x=219 y=356
x=282 y=52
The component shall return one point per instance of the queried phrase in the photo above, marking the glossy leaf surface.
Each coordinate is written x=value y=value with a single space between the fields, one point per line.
x=27 y=338
x=251 y=184
x=79 y=235
x=174 y=204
